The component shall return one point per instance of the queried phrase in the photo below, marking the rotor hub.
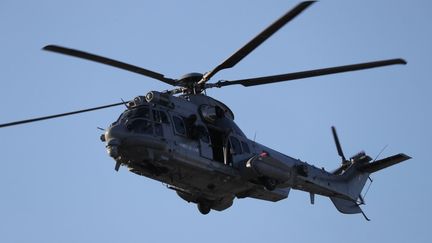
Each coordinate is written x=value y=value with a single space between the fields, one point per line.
x=190 y=78
x=190 y=82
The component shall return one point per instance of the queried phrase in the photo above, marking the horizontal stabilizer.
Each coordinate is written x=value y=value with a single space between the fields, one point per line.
x=383 y=163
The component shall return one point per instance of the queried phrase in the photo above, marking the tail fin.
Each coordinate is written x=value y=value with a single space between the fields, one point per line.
x=354 y=174
x=357 y=175
x=355 y=178
x=347 y=207
x=355 y=181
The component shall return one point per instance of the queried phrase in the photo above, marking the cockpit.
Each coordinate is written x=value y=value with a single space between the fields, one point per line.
x=142 y=120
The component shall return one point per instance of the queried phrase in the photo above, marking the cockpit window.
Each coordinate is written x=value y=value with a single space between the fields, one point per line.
x=140 y=126
x=160 y=116
x=138 y=120
x=139 y=112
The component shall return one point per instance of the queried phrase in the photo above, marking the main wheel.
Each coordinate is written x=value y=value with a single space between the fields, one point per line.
x=204 y=208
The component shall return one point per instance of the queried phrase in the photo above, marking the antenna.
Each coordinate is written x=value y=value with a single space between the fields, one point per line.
x=362 y=198
x=382 y=150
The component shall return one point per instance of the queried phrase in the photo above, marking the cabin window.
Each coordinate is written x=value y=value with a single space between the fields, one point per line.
x=203 y=134
x=235 y=145
x=245 y=147
x=179 y=126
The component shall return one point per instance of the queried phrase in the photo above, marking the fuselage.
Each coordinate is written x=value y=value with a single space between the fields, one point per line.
x=192 y=144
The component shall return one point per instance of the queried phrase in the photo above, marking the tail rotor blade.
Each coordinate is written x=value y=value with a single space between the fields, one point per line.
x=338 y=146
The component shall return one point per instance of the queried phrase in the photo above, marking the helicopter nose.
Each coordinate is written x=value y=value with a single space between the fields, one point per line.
x=113 y=137
x=112 y=148
x=117 y=131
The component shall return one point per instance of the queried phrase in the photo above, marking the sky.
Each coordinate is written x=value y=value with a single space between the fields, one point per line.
x=57 y=183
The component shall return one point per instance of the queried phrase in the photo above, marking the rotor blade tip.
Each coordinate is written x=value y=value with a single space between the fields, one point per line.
x=402 y=61
x=310 y=2
x=48 y=47
x=307 y=3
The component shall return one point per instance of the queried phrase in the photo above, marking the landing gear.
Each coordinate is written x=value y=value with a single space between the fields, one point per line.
x=204 y=207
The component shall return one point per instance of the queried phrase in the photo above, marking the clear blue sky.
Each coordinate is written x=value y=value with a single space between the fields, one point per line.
x=57 y=184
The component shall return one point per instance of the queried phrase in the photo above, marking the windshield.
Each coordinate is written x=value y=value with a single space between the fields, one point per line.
x=137 y=120
x=139 y=112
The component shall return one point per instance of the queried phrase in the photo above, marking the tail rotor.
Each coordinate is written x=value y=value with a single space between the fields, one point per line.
x=338 y=146
x=345 y=163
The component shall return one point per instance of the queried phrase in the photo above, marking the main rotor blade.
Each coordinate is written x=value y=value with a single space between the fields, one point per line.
x=58 y=115
x=110 y=62
x=338 y=146
x=258 y=40
x=310 y=73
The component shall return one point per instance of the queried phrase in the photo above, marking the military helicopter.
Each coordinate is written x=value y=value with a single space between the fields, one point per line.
x=190 y=142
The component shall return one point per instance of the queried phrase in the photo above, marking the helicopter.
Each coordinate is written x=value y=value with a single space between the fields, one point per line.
x=189 y=141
